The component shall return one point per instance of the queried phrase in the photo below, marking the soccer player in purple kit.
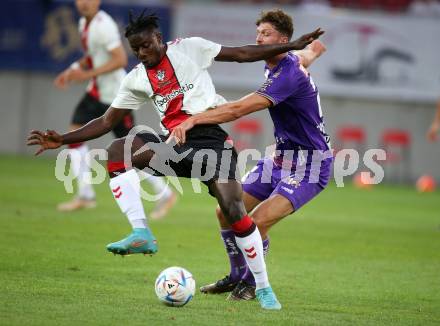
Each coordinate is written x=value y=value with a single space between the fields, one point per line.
x=300 y=168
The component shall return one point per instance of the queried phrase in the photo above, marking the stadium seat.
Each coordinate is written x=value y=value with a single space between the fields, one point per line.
x=350 y=137
x=397 y=145
x=247 y=133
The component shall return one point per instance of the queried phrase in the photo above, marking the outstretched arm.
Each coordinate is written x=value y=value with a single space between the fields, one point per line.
x=94 y=129
x=223 y=113
x=62 y=80
x=118 y=59
x=312 y=52
x=81 y=71
x=251 y=53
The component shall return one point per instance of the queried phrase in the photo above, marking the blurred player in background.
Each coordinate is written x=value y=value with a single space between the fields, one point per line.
x=103 y=66
x=174 y=77
x=282 y=183
x=432 y=133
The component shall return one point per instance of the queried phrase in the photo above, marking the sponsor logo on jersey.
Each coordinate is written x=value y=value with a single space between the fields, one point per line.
x=161 y=101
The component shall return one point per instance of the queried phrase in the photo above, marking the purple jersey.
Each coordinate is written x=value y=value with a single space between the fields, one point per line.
x=296 y=111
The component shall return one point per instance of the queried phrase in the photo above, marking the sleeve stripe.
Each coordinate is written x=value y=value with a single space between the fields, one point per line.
x=268 y=97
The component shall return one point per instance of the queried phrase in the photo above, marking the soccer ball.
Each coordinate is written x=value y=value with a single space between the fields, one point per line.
x=175 y=286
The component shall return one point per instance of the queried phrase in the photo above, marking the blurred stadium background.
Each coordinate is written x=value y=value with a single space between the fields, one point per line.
x=379 y=81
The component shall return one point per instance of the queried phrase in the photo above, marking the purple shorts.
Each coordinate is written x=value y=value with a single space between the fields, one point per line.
x=298 y=183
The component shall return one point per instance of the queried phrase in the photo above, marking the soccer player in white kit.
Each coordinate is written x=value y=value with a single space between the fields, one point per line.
x=102 y=65
x=175 y=79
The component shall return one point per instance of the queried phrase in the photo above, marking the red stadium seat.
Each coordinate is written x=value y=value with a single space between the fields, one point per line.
x=351 y=133
x=350 y=137
x=246 y=133
x=397 y=145
x=396 y=137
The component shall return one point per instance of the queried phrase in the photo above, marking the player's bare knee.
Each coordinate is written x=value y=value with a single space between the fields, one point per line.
x=261 y=223
x=235 y=211
x=258 y=221
x=263 y=228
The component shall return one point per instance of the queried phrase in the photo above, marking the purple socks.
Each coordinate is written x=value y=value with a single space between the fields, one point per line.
x=236 y=259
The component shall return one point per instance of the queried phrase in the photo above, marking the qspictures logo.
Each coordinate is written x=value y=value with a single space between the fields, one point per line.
x=292 y=166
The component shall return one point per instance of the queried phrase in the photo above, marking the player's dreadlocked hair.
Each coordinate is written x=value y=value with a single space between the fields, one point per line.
x=141 y=23
x=279 y=19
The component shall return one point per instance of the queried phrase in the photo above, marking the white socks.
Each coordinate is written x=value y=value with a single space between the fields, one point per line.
x=80 y=162
x=252 y=248
x=126 y=190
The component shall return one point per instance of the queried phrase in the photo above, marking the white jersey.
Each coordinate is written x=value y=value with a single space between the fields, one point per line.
x=98 y=38
x=179 y=86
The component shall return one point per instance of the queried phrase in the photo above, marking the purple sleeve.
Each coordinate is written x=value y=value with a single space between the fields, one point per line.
x=281 y=84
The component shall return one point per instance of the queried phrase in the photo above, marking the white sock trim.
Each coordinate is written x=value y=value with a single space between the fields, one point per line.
x=126 y=191
x=252 y=248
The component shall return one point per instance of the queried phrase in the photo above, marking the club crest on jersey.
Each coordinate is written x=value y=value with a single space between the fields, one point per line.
x=160 y=75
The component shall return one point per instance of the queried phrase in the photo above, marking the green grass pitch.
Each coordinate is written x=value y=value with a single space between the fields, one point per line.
x=350 y=257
